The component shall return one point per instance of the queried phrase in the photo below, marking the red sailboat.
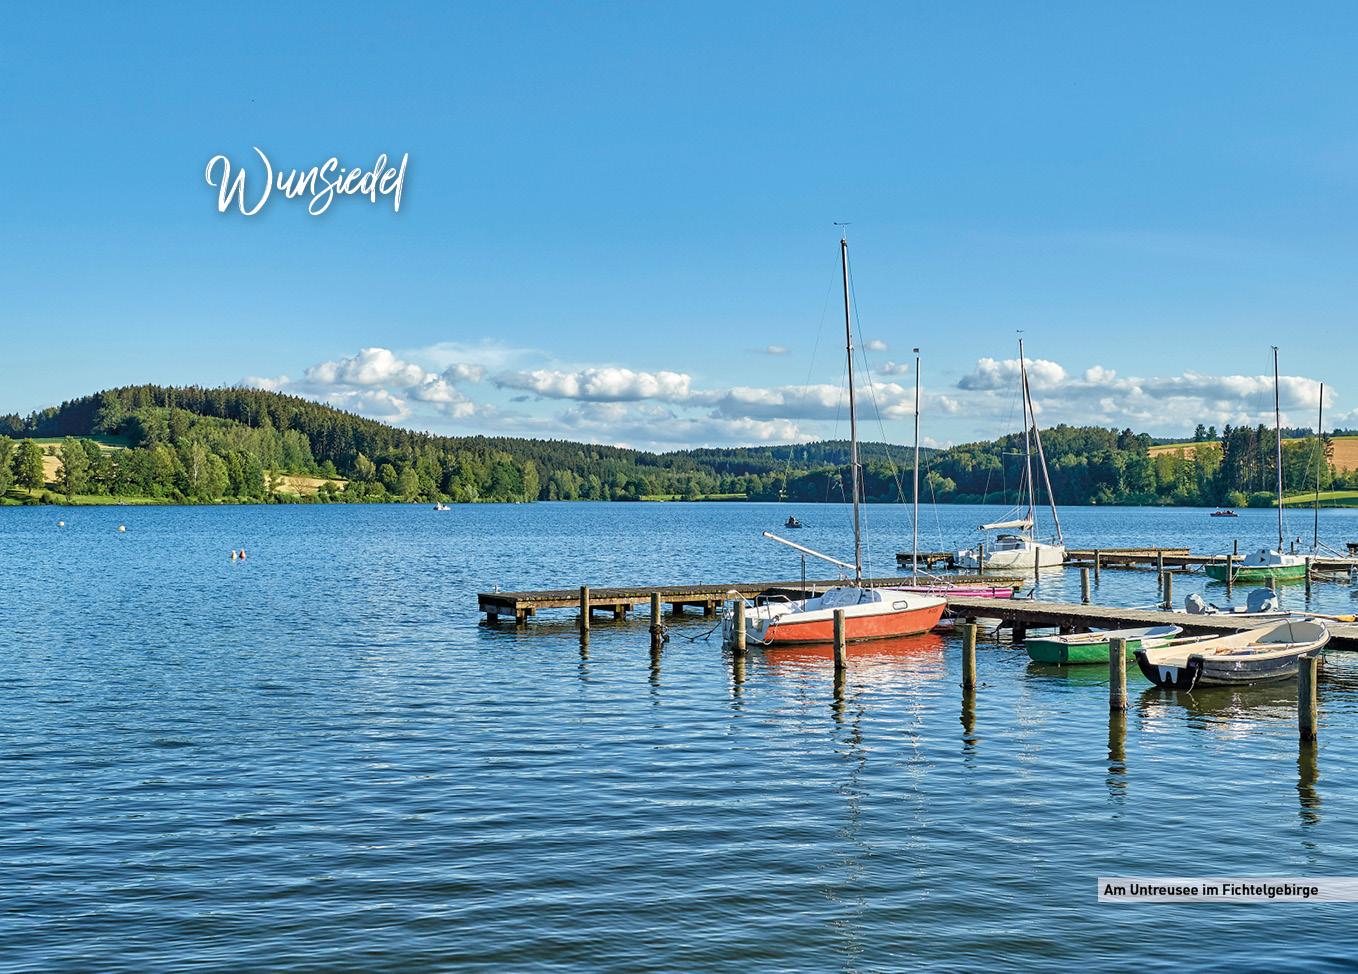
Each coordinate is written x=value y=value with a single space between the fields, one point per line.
x=869 y=613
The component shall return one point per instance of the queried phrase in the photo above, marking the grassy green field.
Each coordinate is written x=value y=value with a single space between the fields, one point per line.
x=1328 y=498
x=18 y=495
x=107 y=442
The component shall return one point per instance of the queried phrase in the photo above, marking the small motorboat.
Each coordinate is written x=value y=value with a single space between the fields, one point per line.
x=440 y=506
x=792 y=522
x=1254 y=656
x=1224 y=514
x=1261 y=604
x=1092 y=647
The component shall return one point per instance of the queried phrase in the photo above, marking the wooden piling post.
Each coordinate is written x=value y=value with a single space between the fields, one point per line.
x=584 y=608
x=969 y=657
x=1230 y=577
x=1272 y=583
x=1084 y=585
x=1160 y=562
x=1306 y=697
x=738 y=642
x=657 y=629
x=1235 y=549
x=1098 y=557
x=1117 y=674
x=841 y=654
x=980 y=558
x=1167 y=587
x=1308 y=576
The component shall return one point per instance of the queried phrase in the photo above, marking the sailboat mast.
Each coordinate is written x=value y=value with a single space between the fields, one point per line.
x=1042 y=458
x=1027 y=440
x=1278 y=430
x=914 y=540
x=853 y=415
x=1320 y=466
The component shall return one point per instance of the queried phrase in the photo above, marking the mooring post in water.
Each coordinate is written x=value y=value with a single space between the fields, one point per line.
x=1235 y=549
x=584 y=608
x=969 y=656
x=1306 y=697
x=1160 y=562
x=657 y=630
x=980 y=558
x=840 y=651
x=1308 y=576
x=1098 y=557
x=1167 y=588
x=1084 y=585
x=1117 y=674
x=738 y=640
x=1230 y=577
x=1272 y=583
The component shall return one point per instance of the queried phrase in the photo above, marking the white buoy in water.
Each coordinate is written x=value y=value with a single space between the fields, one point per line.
x=122 y=527
x=61 y=524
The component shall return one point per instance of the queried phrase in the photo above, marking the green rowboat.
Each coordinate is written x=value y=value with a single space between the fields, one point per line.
x=1092 y=647
x=1260 y=567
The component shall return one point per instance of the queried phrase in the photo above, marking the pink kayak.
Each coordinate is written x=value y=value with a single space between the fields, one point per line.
x=966 y=590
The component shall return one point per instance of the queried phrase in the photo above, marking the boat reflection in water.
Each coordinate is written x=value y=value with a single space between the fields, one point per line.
x=922 y=654
x=1230 y=712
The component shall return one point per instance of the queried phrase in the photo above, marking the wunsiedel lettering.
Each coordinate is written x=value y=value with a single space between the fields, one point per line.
x=322 y=184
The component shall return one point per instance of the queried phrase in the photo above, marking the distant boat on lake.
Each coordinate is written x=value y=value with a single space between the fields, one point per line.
x=1224 y=514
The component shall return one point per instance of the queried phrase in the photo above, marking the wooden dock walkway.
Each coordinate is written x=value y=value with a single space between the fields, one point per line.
x=521 y=606
x=1020 y=615
x=1024 y=614
x=1171 y=559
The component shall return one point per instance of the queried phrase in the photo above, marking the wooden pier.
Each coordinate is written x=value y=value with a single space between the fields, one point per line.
x=1024 y=614
x=1018 y=615
x=521 y=606
x=1166 y=559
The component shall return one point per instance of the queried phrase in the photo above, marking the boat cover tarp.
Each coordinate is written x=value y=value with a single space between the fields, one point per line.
x=1001 y=525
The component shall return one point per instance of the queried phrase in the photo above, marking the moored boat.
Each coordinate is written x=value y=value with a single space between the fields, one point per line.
x=1259 y=655
x=1092 y=647
x=1017 y=546
x=1224 y=514
x=869 y=613
x=1260 y=566
x=1266 y=563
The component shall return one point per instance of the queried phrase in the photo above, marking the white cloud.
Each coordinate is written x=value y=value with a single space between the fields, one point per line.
x=278 y=384
x=995 y=374
x=373 y=403
x=895 y=368
x=776 y=350
x=875 y=345
x=607 y=384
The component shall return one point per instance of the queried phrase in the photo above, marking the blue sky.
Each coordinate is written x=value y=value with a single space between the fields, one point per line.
x=612 y=212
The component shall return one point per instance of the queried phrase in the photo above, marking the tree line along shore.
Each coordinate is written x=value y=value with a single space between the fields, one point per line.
x=157 y=444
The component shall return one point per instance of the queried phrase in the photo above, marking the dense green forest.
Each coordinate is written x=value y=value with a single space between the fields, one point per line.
x=204 y=445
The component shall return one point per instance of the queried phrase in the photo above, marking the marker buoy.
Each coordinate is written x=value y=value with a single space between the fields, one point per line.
x=234 y=554
x=122 y=527
x=61 y=524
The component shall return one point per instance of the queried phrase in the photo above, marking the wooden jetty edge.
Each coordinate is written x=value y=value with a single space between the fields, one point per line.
x=1019 y=615
x=1024 y=614
x=521 y=606
x=1163 y=559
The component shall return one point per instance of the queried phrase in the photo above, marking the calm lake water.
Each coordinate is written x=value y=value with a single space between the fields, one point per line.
x=321 y=759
